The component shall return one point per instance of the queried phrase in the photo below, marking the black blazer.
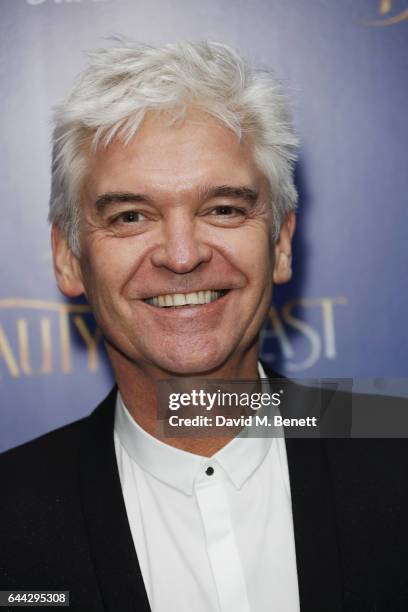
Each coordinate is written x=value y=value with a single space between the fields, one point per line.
x=63 y=522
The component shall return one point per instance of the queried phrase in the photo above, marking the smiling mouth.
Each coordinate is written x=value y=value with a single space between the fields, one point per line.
x=180 y=300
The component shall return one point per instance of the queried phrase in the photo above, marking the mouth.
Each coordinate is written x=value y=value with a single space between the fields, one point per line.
x=183 y=300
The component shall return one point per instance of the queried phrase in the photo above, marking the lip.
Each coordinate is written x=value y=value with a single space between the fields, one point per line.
x=191 y=310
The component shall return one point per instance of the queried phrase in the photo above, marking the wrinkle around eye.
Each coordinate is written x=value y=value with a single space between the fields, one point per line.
x=226 y=215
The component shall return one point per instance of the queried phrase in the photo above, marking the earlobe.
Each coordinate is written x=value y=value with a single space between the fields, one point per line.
x=66 y=265
x=282 y=271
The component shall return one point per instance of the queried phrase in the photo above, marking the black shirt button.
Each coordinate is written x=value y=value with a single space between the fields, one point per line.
x=209 y=471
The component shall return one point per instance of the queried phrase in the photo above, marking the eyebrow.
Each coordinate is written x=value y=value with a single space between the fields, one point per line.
x=245 y=193
x=118 y=197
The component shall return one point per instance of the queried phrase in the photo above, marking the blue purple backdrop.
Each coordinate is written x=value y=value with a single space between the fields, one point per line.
x=345 y=67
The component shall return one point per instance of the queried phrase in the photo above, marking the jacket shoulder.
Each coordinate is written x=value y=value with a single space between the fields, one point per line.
x=43 y=538
x=50 y=459
x=42 y=456
x=39 y=488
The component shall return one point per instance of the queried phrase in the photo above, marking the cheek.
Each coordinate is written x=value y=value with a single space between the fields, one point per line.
x=104 y=272
x=113 y=258
x=250 y=250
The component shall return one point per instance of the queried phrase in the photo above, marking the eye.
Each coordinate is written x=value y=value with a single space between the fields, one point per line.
x=226 y=215
x=227 y=211
x=129 y=217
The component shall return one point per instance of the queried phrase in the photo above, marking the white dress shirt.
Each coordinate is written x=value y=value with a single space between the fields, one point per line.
x=209 y=542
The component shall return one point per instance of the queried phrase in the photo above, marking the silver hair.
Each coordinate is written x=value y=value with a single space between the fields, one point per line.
x=124 y=82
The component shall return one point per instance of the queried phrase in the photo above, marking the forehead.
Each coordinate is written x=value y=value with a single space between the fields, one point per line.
x=177 y=157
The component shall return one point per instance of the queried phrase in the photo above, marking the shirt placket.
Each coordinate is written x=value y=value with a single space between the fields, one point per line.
x=221 y=544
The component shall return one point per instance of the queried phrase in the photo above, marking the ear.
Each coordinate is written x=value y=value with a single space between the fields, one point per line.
x=282 y=270
x=66 y=265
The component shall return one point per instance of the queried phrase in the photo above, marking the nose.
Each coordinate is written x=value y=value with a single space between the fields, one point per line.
x=181 y=248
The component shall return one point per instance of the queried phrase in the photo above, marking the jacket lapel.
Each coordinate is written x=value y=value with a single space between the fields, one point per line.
x=317 y=553
x=314 y=517
x=110 y=540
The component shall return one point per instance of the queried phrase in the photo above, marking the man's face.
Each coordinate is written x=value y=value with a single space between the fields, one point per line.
x=180 y=214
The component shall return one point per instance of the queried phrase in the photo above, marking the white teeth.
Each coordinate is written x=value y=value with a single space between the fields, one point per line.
x=183 y=299
x=179 y=299
x=192 y=298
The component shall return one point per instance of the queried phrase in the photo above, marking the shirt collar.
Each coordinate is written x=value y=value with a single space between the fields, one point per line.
x=240 y=458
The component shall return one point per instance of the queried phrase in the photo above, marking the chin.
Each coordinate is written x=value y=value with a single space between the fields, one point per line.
x=191 y=362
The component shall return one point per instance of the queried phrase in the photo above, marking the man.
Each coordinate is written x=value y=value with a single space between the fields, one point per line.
x=173 y=211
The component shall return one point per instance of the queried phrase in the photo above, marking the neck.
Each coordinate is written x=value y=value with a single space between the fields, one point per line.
x=138 y=388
